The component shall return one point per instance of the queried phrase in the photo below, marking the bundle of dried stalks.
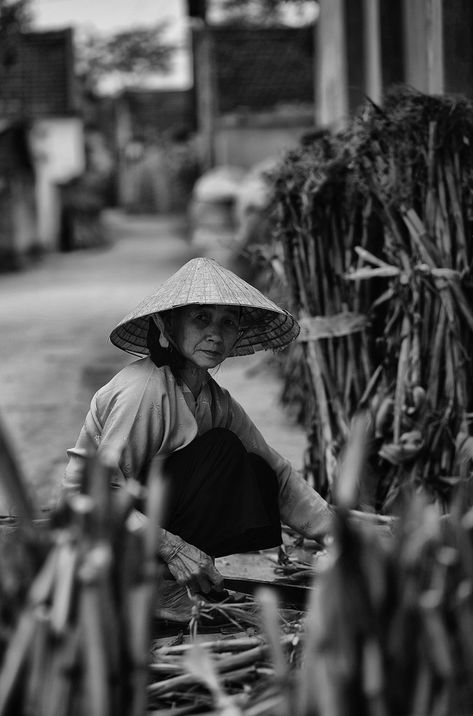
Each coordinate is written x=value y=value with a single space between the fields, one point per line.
x=75 y=625
x=77 y=596
x=388 y=631
x=375 y=226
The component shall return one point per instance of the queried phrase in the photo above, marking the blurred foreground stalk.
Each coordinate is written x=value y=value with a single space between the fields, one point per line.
x=79 y=637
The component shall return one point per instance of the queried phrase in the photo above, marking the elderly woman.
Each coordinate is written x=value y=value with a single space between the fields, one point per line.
x=227 y=489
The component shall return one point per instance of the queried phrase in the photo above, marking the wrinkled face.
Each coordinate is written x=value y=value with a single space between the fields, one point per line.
x=205 y=335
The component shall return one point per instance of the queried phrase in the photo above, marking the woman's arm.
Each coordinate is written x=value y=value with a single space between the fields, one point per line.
x=187 y=564
x=129 y=422
x=139 y=414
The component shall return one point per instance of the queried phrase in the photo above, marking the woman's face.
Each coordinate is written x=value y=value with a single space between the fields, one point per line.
x=205 y=335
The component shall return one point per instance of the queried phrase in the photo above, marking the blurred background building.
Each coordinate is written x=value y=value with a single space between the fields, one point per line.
x=256 y=81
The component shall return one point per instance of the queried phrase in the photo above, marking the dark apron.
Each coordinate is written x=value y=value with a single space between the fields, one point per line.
x=220 y=498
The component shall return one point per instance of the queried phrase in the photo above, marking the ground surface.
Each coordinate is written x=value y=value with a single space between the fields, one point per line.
x=55 y=319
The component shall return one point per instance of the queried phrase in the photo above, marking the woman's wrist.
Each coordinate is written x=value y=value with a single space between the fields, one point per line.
x=169 y=545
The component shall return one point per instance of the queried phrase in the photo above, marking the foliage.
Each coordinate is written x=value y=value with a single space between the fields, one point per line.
x=14 y=18
x=131 y=53
x=14 y=14
x=259 y=12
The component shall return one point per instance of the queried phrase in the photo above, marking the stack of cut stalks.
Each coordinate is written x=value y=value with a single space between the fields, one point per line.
x=77 y=593
x=388 y=629
x=376 y=225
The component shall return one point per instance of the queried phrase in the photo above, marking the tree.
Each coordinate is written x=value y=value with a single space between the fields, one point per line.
x=131 y=54
x=261 y=12
x=14 y=14
x=14 y=18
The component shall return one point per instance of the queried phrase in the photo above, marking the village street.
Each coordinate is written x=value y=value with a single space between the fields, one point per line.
x=55 y=320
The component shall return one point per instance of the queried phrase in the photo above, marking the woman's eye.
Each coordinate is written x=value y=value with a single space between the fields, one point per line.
x=229 y=323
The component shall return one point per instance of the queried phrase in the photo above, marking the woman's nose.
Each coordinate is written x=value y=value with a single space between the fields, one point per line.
x=215 y=333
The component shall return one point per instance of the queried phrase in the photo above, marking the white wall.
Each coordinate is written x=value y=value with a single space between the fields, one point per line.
x=59 y=155
x=245 y=146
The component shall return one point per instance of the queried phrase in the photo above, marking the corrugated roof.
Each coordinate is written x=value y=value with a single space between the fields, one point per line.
x=260 y=68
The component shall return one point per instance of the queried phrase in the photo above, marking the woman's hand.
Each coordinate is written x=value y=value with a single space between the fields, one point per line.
x=189 y=565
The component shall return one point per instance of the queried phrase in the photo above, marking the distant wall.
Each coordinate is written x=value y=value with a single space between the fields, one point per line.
x=18 y=237
x=24 y=215
x=244 y=143
x=458 y=46
x=59 y=155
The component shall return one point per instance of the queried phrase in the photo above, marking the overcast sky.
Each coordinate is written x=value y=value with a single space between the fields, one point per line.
x=105 y=14
x=112 y=15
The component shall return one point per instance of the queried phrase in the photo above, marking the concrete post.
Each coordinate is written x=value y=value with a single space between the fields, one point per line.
x=372 y=50
x=423 y=32
x=204 y=81
x=331 y=83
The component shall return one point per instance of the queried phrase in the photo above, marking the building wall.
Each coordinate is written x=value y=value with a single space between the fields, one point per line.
x=458 y=46
x=59 y=155
x=24 y=216
x=245 y=145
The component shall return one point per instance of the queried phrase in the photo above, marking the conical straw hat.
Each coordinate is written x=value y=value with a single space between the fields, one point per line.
x=204 y=281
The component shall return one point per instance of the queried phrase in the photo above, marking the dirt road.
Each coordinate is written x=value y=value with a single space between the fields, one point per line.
x=55 y=319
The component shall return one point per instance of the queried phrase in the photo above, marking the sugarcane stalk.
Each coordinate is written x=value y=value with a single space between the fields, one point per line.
x=402 y=371
x=38 y=659
x=220 y=645
x=423 y=692
x=455 y=210
x=430 y=204
x=270 y=623
x=323 y=410
x=66 y=565
x=13 y=480
x=94 y=648
x=18 y=650
x=373 y=677
x=230 y=663
x=58 y=694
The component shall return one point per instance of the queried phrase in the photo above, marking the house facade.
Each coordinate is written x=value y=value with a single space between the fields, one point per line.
x=18 y=219
x=254 y=91
x=364 y=46
x=154 y=154
x=37 y=90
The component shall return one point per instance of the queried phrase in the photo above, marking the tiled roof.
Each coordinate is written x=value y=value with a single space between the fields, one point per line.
x=36 y=78
x=259 y=68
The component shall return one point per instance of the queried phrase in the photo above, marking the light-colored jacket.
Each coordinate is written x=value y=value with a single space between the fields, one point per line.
x=143 y=412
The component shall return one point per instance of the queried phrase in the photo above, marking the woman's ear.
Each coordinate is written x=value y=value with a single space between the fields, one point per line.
x=163 y=332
